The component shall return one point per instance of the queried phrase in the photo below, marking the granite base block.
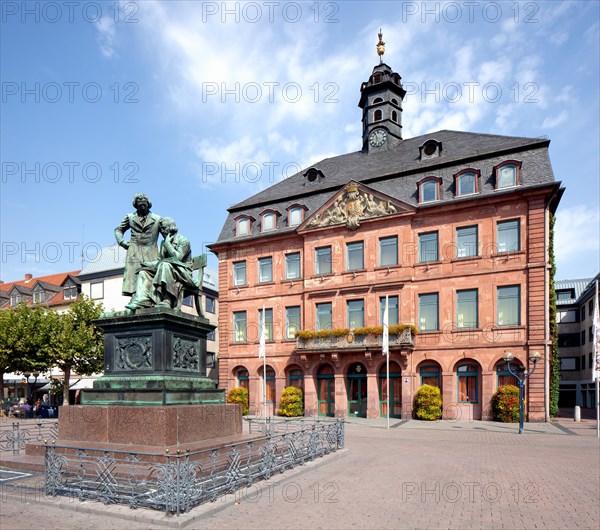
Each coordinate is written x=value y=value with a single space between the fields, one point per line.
x=159 y=426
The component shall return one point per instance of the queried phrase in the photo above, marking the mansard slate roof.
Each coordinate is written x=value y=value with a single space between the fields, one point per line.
x=396 y=173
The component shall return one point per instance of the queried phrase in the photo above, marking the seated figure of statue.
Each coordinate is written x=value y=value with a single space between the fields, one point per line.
x=162 y=282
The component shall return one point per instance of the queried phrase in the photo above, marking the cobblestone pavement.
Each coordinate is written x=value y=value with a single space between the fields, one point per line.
x=415 y=475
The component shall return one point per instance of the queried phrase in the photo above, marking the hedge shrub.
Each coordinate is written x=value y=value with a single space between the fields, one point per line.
x=505 y=404
x=291 y=403
x=428 y=403
x=239 y=396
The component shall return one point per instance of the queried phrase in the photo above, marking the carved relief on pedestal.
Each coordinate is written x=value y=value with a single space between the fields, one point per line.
x=134 y=353
x=352 y=206
x=186 y=354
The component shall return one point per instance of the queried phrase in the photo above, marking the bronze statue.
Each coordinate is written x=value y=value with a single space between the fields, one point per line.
x=145 y=227
x=162 y=282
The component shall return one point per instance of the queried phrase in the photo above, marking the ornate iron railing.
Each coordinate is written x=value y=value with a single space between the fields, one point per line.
x=16 y=435
x=177 y=482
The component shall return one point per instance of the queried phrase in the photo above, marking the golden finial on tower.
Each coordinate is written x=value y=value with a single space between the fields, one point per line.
x=380 y=47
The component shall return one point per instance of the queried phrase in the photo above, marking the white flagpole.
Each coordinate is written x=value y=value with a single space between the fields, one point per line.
x=386 y=352
x=596 y=354
x=263 y=353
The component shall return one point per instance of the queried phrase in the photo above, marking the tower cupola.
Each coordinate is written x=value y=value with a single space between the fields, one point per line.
x=381 y=102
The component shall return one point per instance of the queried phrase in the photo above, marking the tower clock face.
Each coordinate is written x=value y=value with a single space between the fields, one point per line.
x=377 y=138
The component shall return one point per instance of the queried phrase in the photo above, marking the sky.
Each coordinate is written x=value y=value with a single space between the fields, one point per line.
x=202 y=104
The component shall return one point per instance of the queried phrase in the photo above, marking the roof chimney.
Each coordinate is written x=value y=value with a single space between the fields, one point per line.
x=28 y=277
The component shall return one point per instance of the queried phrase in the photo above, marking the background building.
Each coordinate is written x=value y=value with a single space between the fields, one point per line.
x=574 y=316
x=451 y=226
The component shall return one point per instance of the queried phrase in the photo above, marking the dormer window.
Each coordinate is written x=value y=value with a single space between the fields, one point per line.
x=268 y=220
x=15 y=299
x=243 y=225
x=429 y=189
x=314 y=175
x=70 y=292
x=295 y=214
x=466 y=182
x=38 y=296
x=507 y=174
x=430 y=149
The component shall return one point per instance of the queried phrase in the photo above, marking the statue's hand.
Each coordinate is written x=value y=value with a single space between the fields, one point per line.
x=124 y=244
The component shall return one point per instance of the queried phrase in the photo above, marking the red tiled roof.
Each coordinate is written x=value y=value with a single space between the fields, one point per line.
x=52 y=279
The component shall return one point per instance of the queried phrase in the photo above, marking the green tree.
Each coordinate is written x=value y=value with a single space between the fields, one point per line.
x=75 y=343
x=24 y=346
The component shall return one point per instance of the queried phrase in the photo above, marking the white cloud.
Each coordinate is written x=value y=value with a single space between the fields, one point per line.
x=106 y=36
x=555 y=121
x=577 y=238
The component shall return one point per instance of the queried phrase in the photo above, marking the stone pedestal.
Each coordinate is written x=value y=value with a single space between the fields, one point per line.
x=148 y=425
x=155 y=357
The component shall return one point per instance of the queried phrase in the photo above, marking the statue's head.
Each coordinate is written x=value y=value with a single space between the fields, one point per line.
x=168 y=225
x=139 y=197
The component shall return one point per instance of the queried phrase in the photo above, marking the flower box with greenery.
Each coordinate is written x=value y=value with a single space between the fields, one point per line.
x=399 y=334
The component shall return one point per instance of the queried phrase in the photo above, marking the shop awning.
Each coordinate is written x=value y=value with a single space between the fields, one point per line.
x=84 y=382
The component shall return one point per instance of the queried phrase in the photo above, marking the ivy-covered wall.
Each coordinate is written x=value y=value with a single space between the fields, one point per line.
x=554 y=358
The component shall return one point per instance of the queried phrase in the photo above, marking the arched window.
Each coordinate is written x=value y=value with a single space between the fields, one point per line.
x=243 y=226
x=295 y=215
x=466 y=182
x=429 y=189
x=394 y=116
x=430 y=375
x=378 y=100
x=468 y=383
x=377 y=115
x=507 y=174
x=269 y=221
x=394 y=101
x=503 y=375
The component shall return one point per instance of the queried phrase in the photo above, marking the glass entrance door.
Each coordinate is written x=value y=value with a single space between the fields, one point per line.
x=357 y=390
x=395 y=391
x=326 y=391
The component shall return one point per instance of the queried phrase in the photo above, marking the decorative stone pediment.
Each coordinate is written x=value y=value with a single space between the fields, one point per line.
x=353 y=204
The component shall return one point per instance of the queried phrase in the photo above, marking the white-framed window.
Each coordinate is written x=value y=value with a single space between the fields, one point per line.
x=295 y=215
x=15 y=299
x=269 y=221
x=38 y=296
x=243 y=226
x=239 y=273
x=265 y=269
x=70 y=292
x=508 y=174
x=292 y=266
x=388 y=251
x=466 y=182
x=323 y=260
x=508 y=236
x=429 y=190
x=239 y=326
x=292 y=321
x=355 y=256
x=97 y=290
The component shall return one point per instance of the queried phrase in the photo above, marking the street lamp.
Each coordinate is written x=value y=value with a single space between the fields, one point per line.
x=534 y=357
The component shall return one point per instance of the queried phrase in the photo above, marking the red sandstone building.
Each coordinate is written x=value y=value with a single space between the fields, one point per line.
x=451 y=226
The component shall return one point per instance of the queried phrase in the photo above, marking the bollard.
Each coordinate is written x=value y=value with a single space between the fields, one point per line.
x=577 y=413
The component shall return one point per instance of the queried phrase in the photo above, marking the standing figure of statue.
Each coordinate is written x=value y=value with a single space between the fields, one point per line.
x=162 y=282
x=142 y=247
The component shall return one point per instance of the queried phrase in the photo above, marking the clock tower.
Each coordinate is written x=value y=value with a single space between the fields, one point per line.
x=381 y=102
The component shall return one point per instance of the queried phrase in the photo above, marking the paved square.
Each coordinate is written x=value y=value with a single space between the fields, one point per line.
x=416 y=475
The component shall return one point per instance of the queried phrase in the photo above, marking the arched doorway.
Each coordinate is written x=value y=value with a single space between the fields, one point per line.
x=357 y=390
x=395 y=391
x=269 y=406
x=295 y=377
x=326 y=390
